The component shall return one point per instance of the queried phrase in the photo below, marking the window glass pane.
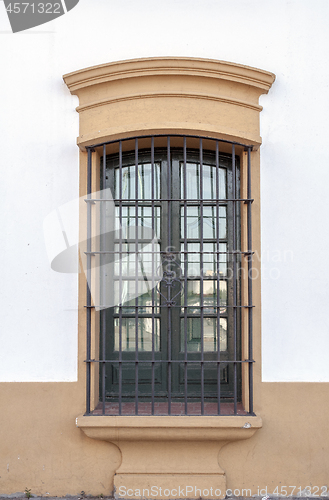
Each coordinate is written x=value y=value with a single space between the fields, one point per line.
x=128 y=330
x=209 y=296
x=223 y=295
x=191 y=260
x=148 y=261
x=209 y=181
x=209 y=224
x=192 y=181
x=209 y=334
x=128 y=298
x=210 y=265
x=144 y=179
x=144 y=222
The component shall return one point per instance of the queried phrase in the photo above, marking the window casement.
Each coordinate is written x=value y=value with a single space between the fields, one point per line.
x=169 y=278
x=169 y=175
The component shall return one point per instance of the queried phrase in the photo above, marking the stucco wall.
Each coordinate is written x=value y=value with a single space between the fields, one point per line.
x=40 y=165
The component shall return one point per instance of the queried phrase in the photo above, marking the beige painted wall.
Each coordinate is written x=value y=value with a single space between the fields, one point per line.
x=42 y=449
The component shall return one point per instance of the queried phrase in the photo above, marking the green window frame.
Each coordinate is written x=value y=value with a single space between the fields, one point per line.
x=188 y=344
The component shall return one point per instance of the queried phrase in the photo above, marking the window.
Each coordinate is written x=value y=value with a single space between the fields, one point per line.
x=161 y=98
x=169 y=276
x=198 y=98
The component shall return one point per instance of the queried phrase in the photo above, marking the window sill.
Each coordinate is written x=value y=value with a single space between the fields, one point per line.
x=169 y=428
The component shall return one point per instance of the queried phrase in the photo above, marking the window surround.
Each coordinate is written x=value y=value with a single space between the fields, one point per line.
x=184 y=96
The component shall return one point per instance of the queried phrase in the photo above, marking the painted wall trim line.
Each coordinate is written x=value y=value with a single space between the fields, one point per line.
x=153 y=95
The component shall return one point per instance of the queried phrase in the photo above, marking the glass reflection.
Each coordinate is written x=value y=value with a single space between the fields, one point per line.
x=129 y=301
x=209 y=223
x=144 y=180
x=209 y=334
x=193 y=190
x=193 y=301
x=128 y=222
x=190 y=262
x=144 y=333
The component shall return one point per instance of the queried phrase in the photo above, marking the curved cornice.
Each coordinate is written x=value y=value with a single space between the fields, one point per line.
x=179 y=94
x=180 y=66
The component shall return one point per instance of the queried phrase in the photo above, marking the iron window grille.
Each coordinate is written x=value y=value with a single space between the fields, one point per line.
x=169 y=342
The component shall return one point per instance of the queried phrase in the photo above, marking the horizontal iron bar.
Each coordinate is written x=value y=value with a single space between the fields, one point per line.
x=222 y=277
x=167 y=361
x=176 y=252
x=176 y=280
x=161 y=397
x=145 y=315
x=126 y=201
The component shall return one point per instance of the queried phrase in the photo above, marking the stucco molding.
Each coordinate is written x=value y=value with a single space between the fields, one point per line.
x=177 y=428
x=182 y=95
x=176 y=93
x=181 y=66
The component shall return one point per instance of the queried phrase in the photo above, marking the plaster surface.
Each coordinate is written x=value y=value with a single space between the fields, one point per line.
x=40 y=166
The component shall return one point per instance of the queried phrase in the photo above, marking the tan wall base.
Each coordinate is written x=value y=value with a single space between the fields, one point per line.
x=166 y=486
x=42 y=449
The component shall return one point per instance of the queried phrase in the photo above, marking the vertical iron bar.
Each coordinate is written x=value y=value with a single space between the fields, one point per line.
x=169 y=287
x=136 y=276
x=234 y=280
x=141 y=236
x=153 y=296
x=102 y=259
x=250 y=311
x=185 y=278
x=88 y=347
x=218 y=280
x=120 y=277
x=201 y=275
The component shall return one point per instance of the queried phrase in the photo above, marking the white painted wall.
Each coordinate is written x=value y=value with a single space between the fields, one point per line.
x=39 y=163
